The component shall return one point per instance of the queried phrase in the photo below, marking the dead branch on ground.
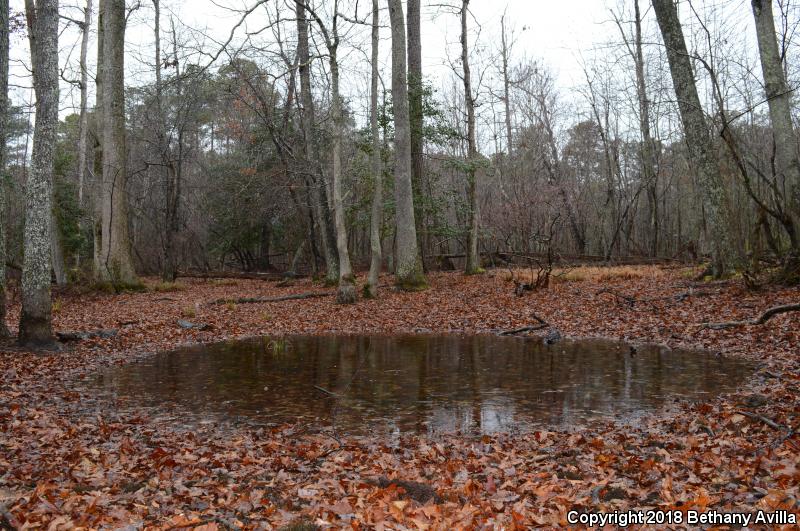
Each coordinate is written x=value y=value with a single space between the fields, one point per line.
x=257 y=300
x=769 y=422
x=542 y=325
x=80 y=336
x=763 y=318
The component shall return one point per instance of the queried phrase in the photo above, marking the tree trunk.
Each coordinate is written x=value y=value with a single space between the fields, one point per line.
x=700 y=146
x=173 y=169
x=506 y=86
x=264 y=263
x=318 y=187
x=787 y=165
x=56 y=247
x=97 y=184
x=375 y=163
x=35 y=326
x=116 y=261
x=298 y=254
x=83 y=125
x=473 y=263
x=415 y=112
x=408 y=265
x=4 y=120
x=648 y=162
x=346 y=293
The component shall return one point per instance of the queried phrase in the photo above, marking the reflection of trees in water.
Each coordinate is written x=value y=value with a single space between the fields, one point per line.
x=424 y=383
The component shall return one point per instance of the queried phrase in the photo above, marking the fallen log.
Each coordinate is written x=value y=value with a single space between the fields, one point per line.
x=761 y=319
x=257 y=300
x=187 y=325
x=541 y=326
x=522 y=330
x=769 y=422
x=80 y=336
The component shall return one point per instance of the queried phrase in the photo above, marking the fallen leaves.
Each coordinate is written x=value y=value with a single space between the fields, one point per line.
x=68 y=459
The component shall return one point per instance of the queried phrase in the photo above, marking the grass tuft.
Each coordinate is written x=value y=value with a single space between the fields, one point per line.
x=592 y=273
x=165 y=287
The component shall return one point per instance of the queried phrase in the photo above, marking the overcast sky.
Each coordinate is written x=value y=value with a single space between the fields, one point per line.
x=556 y=32
x=563 y=35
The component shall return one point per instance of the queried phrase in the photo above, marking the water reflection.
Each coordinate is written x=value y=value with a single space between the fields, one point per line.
x=423 y=384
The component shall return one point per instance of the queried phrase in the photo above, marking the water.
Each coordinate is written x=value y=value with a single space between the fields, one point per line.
x=432 y=384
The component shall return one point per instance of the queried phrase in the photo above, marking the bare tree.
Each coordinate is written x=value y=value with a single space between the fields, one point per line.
x=98 y=190
x=4 y=120
x=171 y=167
x=35 y=326
x=415 y=112
x=700 y=146
x=787 y=165
x=376 y=217
x=346 y=292
x=83 y=127
x=408 y=268
x=647 y=150
x=116 y=262
x=504 y=54
x=473 y=263
x=317 y=179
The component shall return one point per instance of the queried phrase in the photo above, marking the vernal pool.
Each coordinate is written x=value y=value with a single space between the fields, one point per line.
x=432 y=384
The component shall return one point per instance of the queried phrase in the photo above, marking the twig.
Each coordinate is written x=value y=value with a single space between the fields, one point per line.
x=790 y=432
x=763 y=318
x=542 y=325
x=769 y=422
x=522 y=330
x=323 y=390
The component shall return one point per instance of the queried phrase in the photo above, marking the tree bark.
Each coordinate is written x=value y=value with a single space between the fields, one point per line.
x=35 y=326
x=317 y=180
x=172 y=169
x=346 y=293
x=702 y=156
x=97 y=188
x=56 y=246
x=408 y=265
x=4 y=120
x=506 y=86
x=116 y=261
x=787 y=164
x=83 y=125
x=473 y=262
x=415 y=112
x=647 y=156
x=375 y=165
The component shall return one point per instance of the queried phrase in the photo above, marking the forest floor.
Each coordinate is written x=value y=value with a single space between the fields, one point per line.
x=65 y=464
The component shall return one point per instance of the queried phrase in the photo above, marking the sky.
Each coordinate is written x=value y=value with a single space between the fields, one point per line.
x=556 y=32
x=565 y=36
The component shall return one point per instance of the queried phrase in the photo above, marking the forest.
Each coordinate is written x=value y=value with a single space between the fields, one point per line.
x=398 y=264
